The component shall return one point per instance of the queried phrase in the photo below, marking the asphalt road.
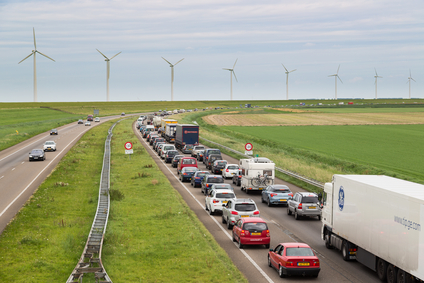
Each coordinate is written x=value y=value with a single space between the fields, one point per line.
x=19 y=178
x=252 y=260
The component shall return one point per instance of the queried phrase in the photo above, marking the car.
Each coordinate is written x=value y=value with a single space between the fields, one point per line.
x=49 y=146
x=208 y=152
x=199 y=155
x=175 y=160
x=156 y=148
x=159 y=148
x=218 y=166
x=80 y=121
x=37 y=154
x=187 y=173
x=230 y=170
x=54 y=132
x=157 y=140
x=186 y=162
x=237 y=178
x=211 y=159
x=238 y=208
x=276 y=194
x=209 y=180
x=142 y=117
x=221 y=186
x=216 y=198
x=294 y=259
x=150 y=135
x=197 y=178
x=152 y=139
x=188 y=148
x=88 y=123
x=123 y=114
x=170 y=155
x=251 y=231
x=196 y=149
x=304 y=204
x=165 y=149
x=97 y=119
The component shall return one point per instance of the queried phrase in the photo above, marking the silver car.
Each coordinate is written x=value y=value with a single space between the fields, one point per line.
x=304 y=204
x=49 y=146
x=235 y=209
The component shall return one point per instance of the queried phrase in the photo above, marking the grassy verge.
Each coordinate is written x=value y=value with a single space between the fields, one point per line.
x=152 y=234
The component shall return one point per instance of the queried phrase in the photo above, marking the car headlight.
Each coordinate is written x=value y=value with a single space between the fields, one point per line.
x=30 y=156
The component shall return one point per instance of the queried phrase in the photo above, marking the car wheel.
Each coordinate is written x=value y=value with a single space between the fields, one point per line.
x=223 y=219
x=229 y=226
x=234 y=239
x=296 y=215
x=262 y=199
x=267 y=246
x=233 y=181
x=288 y=211
x=240 y=245
x=211 y=212
x=206 y=207
x=319 y=217
x=281 y=271
x=269 y=261
x=269 y=203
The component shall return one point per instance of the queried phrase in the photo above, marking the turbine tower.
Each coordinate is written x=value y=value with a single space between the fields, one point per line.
x=336 y=75
x=172 y=76
x=34 y=52
x=231 y=77
x=287 y=80
x=409 y=80
x=376 y=77
x=108 y=72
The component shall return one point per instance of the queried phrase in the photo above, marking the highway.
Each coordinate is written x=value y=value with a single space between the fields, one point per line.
x=252 y=260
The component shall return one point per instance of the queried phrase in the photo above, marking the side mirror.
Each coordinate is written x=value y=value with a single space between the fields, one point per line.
x=271 y=250
x=224 y=205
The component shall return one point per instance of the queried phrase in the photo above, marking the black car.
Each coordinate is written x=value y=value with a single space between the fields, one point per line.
x=209 y=180
x=187 y=173
x=175 y=160
x=237 y=178
x=152 y=139
x=218 y=166
x=37 y=154
x=169 y=156
x=80 y=121
x=54 y=132
x=158 y=140
x=211 y=159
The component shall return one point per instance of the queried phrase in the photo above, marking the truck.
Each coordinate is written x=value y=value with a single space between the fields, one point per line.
x=90 y=118
x=170 y=130
x=186 y=134
x=256 y=173
x=163 y=125
x=377 y=221
x=157 y=122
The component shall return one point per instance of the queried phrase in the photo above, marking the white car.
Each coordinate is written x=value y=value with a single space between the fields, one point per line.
x=49 y=146
x=97 y=119
x=196 y=149
x=230 y=170
x=165 y=148
x=216 y=198
x=88 y=123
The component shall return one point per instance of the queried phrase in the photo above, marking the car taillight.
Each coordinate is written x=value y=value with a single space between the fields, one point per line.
x=256 y=212
x=267 y=233
x=227 y=170
x=215 y=201
x=234 y=212
x=184 y=173
x=299 y=206
x=289 y=263
x=291 y=195
x=242 y=233
x=197 y=178
x=315 y=263
x=207 y=185
x=239 y=176
x=273 y=195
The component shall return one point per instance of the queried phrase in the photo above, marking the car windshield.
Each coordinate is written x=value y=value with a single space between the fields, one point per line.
x=190 y=169
x=311 y=199
x=215 y=180
x=255 y=226
x=225 y=195
x=215 y=151
x=199 y=147
x=189 y=161
x=223 y=186
x=189 y=146
x=299 y=252
x=280 y=190
x=172 y=153
x=233 y=167
x=221 y=163
x=36 y=151
x=49 y=143
x=245 y=207
x=202 y=174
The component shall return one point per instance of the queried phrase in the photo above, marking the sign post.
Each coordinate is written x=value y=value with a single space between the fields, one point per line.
x=128 y=148
x=248 y=147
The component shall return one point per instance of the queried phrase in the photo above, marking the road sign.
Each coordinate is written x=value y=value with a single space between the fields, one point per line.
x=248 y=146
x=248 y=152
x=128 y=145
x=129 y=151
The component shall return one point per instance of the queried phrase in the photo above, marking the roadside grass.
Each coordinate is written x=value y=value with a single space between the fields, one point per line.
x=46 y=238
x=17 y=125
x=152 y=235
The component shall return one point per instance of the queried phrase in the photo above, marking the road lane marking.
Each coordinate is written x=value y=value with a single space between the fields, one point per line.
x=22 y=162
x=213 y=218
x=1 y=177
x=13 y=169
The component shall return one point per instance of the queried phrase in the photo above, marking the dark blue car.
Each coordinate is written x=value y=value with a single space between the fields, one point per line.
x=170 y=155
x=197 y=178
x=187 y=173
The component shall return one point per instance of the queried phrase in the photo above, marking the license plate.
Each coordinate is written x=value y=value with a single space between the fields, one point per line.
x=283 y=200
x=221 y=169
x=224 y=201
x=303 y=264
x=261 y=189
x=244 y=215
x=256 y=234
x=312 y=207
x=35 y=157
x=233 y=173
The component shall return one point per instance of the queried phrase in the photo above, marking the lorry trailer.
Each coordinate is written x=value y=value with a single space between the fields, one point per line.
x=377 y=221
x=186 y=134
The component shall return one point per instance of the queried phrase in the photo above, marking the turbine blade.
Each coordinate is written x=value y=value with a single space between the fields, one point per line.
x=178 y=61
x=102 y=54
x=234 y=75
x=375 y=72
x=413 y=80
x=115 y=55
x=332 y=75
x=339 y=78
x=292 y=70
x=167 y=61
x=235 y=63
x=338 y=69
x=26 y=57
x=226 y=69
x=35 y=45
x=44 y=55
x=285 y=67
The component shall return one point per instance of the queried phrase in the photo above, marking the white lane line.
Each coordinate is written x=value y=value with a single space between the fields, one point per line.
x=13 y=169
x=22 y=162
x=10 y=204
x=1 y=177
x=213 y=218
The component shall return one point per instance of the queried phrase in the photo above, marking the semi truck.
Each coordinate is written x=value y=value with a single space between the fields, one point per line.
x=186 y=134
x=256 y=173
x=170 y=132
x=157 y=121
x=164 y=122
x=377 y=221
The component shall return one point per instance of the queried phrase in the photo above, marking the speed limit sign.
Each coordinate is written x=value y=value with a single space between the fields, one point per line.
x=248 y=146
x=128 y=145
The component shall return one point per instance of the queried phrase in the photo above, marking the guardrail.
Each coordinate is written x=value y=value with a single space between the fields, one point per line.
x=91 y=258
x=287 y=172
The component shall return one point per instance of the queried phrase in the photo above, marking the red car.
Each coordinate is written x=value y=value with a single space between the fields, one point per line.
x=186 y=162
x=294 y=259
x=251 y=231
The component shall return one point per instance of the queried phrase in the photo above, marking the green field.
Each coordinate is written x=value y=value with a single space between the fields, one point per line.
x=396 y=148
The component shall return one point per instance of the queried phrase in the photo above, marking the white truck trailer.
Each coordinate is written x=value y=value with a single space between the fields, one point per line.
x=256 y=173
x=377 y=220
x=157 y=121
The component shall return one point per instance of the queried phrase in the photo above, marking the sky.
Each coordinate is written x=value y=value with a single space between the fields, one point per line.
x=313 y=37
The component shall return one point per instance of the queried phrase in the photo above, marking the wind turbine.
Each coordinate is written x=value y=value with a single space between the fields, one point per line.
x=287 y=80
x=107 y=71
x=376 y=77
x=336 y=75
x=172 y=76
x=409 y=80
x=231 y=77
x=34 y=52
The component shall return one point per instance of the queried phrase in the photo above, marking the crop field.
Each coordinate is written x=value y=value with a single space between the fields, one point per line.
x=396 y=148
